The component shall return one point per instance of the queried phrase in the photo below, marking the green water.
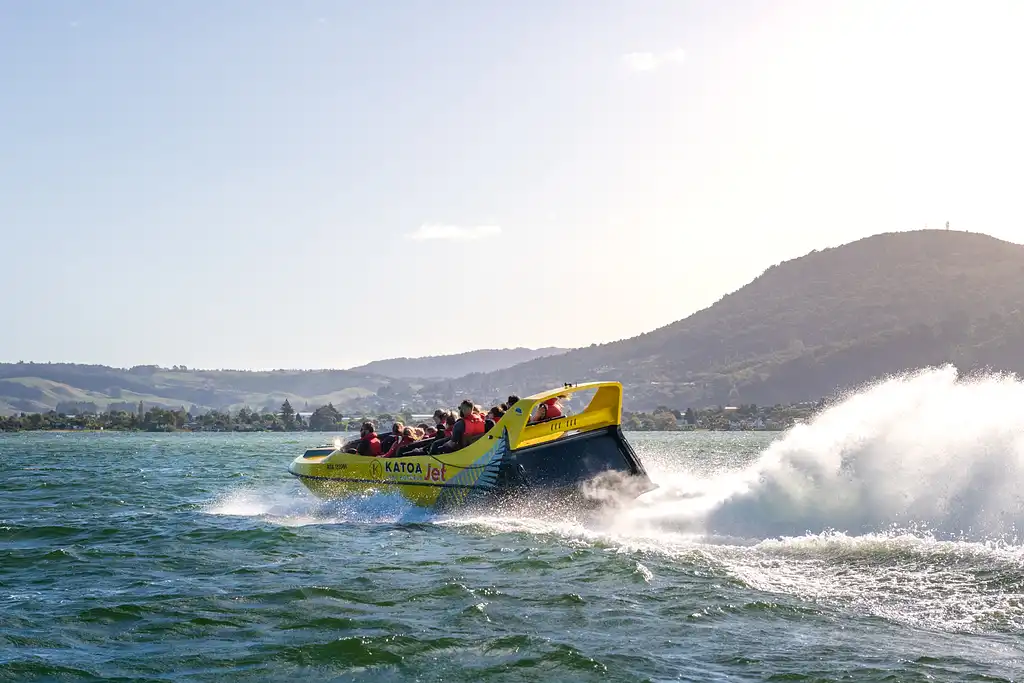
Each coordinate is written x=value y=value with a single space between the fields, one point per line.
x=188 y=557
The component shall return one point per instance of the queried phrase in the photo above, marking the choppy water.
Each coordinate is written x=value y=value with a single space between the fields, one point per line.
x=876 y=544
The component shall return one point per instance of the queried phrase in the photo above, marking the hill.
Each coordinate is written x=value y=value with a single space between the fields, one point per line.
x=39 y=387
x=808 y=326
x=455 y=365
x=381 y=385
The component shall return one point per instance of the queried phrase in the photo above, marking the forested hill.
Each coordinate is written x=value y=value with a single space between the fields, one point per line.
x=805 y=327
x=455 y=365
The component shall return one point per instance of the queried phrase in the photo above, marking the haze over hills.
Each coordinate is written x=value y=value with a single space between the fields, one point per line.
x=808 y=326
x=455 y=365
x=40 y=387
x=827 y=320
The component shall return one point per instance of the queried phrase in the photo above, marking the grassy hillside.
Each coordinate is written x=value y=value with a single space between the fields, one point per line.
x=38 y=387
x=807 y=326
x=455 y=365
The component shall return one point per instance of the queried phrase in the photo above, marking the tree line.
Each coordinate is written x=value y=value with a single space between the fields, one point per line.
x=328 y=419
x=324 y=419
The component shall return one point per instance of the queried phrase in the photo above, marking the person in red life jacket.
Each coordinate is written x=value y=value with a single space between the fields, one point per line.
x=494 y=416
x=548 y=410
x=449 y=424
x=407 y=439
x=469 y=427
x=368 y=444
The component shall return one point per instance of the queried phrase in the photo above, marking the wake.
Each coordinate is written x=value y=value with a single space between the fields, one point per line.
x=293 y=508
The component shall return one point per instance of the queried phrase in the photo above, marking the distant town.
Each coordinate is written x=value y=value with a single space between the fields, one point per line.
x=745 y=417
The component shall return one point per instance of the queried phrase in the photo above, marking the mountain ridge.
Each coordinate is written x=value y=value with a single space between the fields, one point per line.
x=891 y=301
x=451 y=366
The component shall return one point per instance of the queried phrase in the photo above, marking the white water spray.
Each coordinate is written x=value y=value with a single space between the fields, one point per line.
x=927 y=451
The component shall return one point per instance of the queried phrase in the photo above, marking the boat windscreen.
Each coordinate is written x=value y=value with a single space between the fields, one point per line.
x=574 y=459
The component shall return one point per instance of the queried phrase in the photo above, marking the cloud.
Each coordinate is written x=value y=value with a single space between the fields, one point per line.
x=649 y=61
x=454 y=233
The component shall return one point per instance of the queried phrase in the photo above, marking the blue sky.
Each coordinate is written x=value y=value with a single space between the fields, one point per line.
x=319 y=184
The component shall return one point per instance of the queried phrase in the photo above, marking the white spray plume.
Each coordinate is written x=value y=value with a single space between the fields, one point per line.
x=924 y=451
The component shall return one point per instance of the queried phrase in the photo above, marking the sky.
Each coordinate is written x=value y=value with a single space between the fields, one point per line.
x=320 y=184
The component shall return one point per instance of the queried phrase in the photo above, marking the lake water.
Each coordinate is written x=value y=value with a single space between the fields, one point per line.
x=860 y=547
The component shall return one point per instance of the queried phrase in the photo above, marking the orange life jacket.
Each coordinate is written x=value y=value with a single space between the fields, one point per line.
x=372 y=444
x=553 y=411
x=474 y=426
x=399 y=443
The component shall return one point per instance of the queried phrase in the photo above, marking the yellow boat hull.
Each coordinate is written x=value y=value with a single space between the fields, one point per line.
x=426 y=480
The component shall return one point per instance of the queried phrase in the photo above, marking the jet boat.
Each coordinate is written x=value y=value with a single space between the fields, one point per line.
x=516 y=457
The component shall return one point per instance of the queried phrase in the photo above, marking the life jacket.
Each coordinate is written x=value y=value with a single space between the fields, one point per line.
x=474 y=424
x=399 y=445
x=552 y=408
x=372 y=444
x=448 y=431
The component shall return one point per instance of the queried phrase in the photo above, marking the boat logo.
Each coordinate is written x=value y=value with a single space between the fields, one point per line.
x=376 y=471
x=519 y=411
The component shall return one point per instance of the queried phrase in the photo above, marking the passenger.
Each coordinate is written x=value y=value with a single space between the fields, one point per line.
x=443 y=440
x=512 y=400
x=368 y=443
x=548 y=410
x=388 y=439
x=407 y=439
x=494 y=416
x=425 y=439
x=467 y=429
x=439 y=418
